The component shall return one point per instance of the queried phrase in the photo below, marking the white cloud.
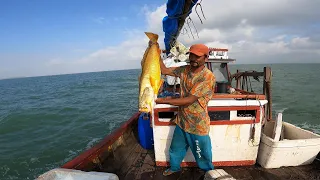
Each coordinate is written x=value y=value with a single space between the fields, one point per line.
x=127 y=55
x=265 y=31
x=254 y=31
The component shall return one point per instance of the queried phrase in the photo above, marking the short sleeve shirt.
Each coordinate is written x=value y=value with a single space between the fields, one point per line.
x=194 y=118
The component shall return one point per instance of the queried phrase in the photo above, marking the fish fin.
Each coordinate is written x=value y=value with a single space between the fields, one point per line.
x=153 y=37
x=154 y=83
x=156 y=92
x=145 y=56
x=160 y=84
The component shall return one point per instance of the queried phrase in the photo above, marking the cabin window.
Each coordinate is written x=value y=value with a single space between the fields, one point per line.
x=220 y=53
x=166 y=114
x=219 y=115
x=246 y=113
x=220 y=72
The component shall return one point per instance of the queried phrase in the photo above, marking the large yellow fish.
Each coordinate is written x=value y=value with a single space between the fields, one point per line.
x=150 y=78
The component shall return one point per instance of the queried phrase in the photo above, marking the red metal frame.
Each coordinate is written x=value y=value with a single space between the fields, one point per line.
x=216 y=122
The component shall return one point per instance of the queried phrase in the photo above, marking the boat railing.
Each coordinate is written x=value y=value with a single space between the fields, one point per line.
x=243 y=82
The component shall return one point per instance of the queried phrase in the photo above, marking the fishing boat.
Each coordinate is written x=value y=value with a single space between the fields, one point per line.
x=241 y=132
x=247 y=142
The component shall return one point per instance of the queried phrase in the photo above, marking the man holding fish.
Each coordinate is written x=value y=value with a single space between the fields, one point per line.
x=192 y=122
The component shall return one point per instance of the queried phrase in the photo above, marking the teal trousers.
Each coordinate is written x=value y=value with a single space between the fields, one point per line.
x=199 y=145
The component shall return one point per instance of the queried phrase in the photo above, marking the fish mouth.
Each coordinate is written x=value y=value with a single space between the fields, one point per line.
x=144 y=108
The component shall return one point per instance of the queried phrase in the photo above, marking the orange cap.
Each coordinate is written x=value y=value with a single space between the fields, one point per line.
x=199 y=49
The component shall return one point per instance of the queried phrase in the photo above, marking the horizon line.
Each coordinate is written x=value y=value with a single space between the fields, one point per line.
x=85 y=72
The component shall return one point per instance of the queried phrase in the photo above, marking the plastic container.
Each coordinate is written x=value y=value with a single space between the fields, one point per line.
x=145 y=131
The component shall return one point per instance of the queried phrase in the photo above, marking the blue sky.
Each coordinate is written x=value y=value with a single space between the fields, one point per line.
x=46 y=37
x=35 y=29
x=43 y=25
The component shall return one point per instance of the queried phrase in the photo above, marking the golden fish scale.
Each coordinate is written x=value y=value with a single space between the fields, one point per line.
x=151 y=72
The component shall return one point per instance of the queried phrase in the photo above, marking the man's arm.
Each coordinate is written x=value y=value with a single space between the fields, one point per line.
x=165 y=70
x=186 y=101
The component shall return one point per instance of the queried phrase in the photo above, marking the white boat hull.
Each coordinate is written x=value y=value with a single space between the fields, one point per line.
x=232 y=143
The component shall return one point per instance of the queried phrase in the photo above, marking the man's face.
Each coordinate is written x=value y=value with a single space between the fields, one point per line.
x=197 y=61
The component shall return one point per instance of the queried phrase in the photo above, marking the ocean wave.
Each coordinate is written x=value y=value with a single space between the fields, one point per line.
x=281 y=110
x=92 y=142
x=311 y=127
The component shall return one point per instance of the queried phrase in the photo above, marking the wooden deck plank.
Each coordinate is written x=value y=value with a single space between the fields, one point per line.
x=186 y=173
x=159 y=176
x=239 y=173
x=259 y=174
x=135 y=167
x=120 y=156
x=198 y=174
x=129 y=161
x=285 y=173
x=306 y=172
x=122 y=153
x=147 y=170
x=158 y=173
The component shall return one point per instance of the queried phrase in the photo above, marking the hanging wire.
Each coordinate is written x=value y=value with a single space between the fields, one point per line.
x=190 y=28
x=194 y=27
x=200 y=6
x=185 y=31
x=188 y=23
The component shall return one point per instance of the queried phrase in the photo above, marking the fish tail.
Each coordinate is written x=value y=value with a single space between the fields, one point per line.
x=153 y=37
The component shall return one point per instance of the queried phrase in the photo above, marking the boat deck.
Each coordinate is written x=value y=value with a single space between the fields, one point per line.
x=131 y=161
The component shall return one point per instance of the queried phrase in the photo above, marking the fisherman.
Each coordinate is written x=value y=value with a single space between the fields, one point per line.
x=192 y=122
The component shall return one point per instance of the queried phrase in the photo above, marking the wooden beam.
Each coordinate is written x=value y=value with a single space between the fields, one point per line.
x=268 y=74
x=241 y=74
x=238 y=81
x=267 y=90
